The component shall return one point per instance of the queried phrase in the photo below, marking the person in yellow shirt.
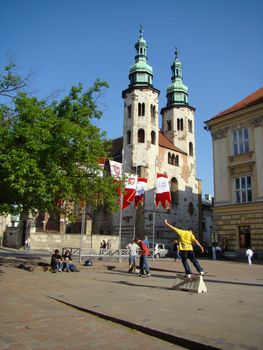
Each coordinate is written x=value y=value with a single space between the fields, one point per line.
x=186 y=242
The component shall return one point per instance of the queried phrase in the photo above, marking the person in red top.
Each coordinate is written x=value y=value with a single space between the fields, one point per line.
x=144 y=253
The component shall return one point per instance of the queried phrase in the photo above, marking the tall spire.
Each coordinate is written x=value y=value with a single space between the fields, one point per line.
x=141 y=73
x=177 y=92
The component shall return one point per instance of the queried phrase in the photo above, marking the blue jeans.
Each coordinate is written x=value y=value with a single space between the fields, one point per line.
x=144 y=265
x=189 y=254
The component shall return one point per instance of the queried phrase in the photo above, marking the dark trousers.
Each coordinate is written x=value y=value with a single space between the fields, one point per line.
x=189 y=254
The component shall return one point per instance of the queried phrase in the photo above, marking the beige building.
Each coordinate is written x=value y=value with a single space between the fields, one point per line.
x=237 y=135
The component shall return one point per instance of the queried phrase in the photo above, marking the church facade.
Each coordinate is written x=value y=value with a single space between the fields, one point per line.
x=147 y=149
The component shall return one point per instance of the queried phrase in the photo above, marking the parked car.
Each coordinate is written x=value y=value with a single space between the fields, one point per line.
x=160 y=250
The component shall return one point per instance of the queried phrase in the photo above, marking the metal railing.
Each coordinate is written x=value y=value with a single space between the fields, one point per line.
x=98 y=253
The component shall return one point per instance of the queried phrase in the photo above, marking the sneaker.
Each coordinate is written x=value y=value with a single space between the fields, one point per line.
x=59 y=270
x=148 y=274
x=188 y=275
x=137 y=271
x=202 y=273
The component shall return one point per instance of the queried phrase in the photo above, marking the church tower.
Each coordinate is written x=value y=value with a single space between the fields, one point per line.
x=178 y=115
x=140 y=131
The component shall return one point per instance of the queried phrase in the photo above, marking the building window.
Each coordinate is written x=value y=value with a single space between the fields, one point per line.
x=169 y=125
x=190 y=125
x=153 y=113
x=141 y=109
x=240 y=141
x=191 y=149
x=243 y=189
x=129 y=111
x=169 y=158
x=176 y=160
x=141 y=136
x=244 y=237
x=180 y=124
x=174 y=191
x=128 y=137
x=153 y=138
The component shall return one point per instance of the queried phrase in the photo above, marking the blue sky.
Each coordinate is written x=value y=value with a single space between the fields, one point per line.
x=65 y=42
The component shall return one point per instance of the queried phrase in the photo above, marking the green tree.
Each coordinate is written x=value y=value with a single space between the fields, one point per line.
x=50 y=152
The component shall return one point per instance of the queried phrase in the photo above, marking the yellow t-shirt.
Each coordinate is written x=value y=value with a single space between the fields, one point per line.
x=186 y=239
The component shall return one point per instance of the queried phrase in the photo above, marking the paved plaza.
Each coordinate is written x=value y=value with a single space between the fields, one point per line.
x=102 y=308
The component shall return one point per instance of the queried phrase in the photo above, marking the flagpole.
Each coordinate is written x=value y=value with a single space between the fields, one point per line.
x=121 y=202
x=154 y=198
x=134 y=210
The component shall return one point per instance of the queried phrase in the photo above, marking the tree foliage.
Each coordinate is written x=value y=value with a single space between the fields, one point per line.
x=50 y=152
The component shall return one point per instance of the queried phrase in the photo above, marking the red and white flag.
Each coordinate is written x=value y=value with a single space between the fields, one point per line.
x=115 y=169
x=129 y=191
x=140 y=191
x=163 y=194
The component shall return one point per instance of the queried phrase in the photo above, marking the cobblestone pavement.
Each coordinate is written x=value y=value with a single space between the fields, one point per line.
x=229 y=316
x=31 y=320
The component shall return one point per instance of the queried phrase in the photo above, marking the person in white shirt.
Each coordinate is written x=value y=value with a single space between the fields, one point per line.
x=249 y=254
x=133 y=248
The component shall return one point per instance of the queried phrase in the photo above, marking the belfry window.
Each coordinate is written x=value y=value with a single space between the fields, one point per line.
x=128 y=137
x=141 y=136
x=180 y=124
x=153 y=113
x=190 y=125
x=153 y=138
x=169 y=125
x=141 y=109
x=191 y=149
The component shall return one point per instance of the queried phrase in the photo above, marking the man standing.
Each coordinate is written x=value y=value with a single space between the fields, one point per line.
x=144 y=253
x=133 y=248
x=186 y=242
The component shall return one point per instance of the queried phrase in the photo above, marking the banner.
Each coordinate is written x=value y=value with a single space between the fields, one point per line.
x=129 y=190
x=163 y=194
x=115 y=169
x=140 y=191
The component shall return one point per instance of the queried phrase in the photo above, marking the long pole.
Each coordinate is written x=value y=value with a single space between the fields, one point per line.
x=154 y=195
x=134 y=210
x=121 y=202
x=83 y=214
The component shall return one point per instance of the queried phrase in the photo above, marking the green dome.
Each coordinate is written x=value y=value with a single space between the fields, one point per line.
x=141 y=66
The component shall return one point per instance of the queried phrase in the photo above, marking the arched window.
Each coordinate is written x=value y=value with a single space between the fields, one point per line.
x=141 y=136
x=174 y=191
x=128 y=137
x=173 y=160
x=169 y=158
x=191 y=149
x=176 y=160
x=180 y=124
x=190 y=125
x=139 y=109
x=153 y=113
x=169 y=125
x=153 y=138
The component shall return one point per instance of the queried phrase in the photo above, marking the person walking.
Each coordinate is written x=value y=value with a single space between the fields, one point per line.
x=144 y=253
x=249 y=254
x=186 y=242
x=133 y=248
